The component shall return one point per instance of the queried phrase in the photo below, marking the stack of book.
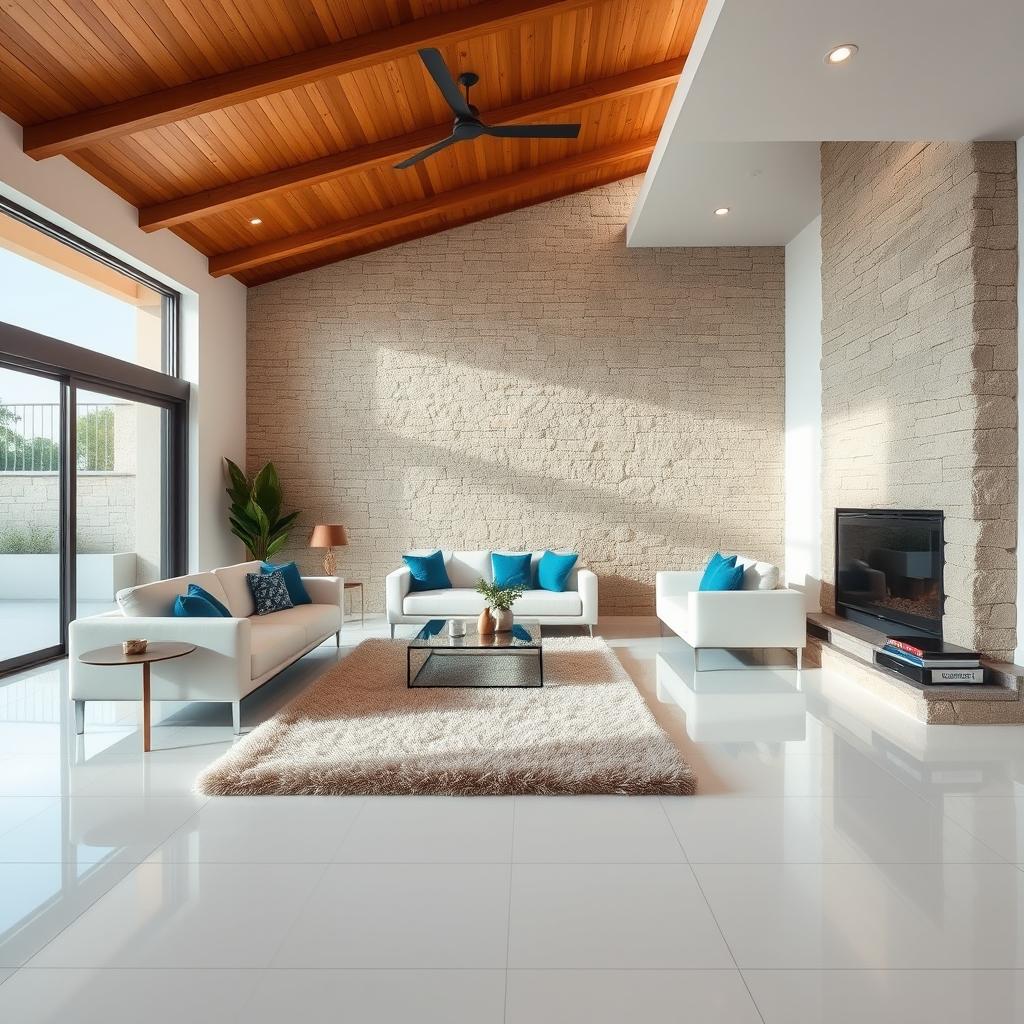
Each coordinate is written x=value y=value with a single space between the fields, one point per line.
x=930 y=661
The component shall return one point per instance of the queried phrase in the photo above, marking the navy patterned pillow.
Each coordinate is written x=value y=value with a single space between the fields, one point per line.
x=269 y=591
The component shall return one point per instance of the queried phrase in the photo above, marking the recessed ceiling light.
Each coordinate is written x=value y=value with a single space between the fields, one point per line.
x=839 y=54
x=256 y=220
x=721 y=211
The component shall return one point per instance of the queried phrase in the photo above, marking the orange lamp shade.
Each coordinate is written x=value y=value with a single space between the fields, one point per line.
x=328 y=536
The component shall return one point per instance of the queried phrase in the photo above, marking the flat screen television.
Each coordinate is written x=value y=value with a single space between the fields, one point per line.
x=889 y=566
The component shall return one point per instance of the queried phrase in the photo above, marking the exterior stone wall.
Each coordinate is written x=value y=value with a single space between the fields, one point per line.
x=106 y=508
x=529 y=382
x=919 y=359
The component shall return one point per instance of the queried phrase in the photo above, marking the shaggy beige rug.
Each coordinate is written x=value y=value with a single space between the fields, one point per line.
x=359 y=729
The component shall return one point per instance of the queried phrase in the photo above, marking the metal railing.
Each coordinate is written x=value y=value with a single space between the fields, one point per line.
x=30 y=437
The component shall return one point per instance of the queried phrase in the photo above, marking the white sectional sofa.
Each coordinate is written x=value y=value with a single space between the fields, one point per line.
x=576 y=606
x=234 y=655
x=760 y=615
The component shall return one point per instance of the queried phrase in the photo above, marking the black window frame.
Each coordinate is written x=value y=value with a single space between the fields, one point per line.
x=75 y=367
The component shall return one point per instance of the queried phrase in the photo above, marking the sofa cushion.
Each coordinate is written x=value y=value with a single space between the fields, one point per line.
x=427 y=572
x=233 y=582
x=269 y=591
x=439 y=603
x=466 y=568
x=292 y=580
x=198 y=604
x=157 y=599
x=553 y=571
x=273 y=642
x=571 y=583
x=548 y=602
x=758 y=575
x=316 y=621
x=512 y=570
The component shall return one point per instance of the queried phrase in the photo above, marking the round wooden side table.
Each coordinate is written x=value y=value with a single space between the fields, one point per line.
x=157 y=650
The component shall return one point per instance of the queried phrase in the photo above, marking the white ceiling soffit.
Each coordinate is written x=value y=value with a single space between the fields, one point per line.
x=926 y=69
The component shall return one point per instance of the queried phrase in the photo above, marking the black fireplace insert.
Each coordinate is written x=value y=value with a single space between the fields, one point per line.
x=889 y=566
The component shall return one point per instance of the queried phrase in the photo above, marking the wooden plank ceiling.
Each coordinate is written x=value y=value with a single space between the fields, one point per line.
x=209 y=114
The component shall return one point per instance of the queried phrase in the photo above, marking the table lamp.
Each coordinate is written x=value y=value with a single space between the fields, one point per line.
x=329 y=536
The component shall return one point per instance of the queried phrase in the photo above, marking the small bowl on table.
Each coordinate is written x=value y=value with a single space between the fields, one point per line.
x=134 y=646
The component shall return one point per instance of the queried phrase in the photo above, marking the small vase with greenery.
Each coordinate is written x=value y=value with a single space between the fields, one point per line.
x=499 y=606
x=255 y=512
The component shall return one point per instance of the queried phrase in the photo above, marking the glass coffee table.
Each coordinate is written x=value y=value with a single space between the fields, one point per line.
x=498 y=660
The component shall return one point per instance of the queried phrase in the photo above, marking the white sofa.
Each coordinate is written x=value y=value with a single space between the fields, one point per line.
x=760 y=615
x=576 y=606
x=234 y=655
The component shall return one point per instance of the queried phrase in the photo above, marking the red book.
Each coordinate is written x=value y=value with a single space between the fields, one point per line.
x=902 y=645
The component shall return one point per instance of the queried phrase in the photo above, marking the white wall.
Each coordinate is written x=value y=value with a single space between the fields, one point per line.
x=212 y=322
x=1018 y=656
x=803 y=413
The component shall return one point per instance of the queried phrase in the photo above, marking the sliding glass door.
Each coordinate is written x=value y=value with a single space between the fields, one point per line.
x=31 y=502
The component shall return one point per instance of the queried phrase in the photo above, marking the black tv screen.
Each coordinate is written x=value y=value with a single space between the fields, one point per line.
x=889 y=568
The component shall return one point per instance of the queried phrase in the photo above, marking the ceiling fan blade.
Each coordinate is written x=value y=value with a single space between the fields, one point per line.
x=533 y=131
x=443 y=80
x=424 y=153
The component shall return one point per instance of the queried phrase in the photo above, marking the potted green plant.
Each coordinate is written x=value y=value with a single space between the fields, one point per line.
x=255 y=512
x=497 y=616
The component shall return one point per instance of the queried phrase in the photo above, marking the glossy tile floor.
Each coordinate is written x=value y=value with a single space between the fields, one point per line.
x=841 y=863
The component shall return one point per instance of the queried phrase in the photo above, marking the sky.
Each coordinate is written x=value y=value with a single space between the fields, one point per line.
x=45 y=301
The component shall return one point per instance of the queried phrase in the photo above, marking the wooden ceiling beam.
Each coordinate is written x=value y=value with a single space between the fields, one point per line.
x=418 y=231
x=388 y=151
x=77 y=131
x=408 y=213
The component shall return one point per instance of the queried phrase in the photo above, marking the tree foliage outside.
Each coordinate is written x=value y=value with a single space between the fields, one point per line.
x=95 y=440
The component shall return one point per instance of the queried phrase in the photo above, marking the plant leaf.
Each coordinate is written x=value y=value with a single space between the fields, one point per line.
x=266 y=491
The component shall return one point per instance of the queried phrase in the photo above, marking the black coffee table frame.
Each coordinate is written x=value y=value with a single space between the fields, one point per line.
x=523 y=641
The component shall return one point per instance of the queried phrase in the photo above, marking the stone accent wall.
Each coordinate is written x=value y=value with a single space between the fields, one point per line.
x=919 y=359
x=524 y=382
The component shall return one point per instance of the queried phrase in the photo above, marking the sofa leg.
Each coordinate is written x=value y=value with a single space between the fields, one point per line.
x=337 y=639
x=236 y=717
x=696 y=659
x=591 y=628
x=79 y=717
x=392 y=632
x=799 y=658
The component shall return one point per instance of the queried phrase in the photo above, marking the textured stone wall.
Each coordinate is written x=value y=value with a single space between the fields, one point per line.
x=919 y=358
x=524 y=382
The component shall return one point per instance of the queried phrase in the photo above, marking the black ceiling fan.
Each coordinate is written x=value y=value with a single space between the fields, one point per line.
x=468 y=125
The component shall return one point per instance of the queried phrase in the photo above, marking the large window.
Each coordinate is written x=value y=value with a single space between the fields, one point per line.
x=92 y=435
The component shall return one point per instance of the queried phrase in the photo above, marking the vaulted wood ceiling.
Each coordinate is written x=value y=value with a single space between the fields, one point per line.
x=207 y=114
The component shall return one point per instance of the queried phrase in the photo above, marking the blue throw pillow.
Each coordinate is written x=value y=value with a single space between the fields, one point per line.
x=428 y=572
x=511 y=570
x=292 y=580
x=722 y=574
x=192 y=606
x=553 y=571
x=269 y=591
x=196 y=591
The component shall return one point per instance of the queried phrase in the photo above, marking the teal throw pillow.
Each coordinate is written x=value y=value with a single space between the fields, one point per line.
x=194 y=590
x=722 y=574
x=191 y=606
x=553 y=571
x=511 y=570
x=428 y=572
x=292 y=580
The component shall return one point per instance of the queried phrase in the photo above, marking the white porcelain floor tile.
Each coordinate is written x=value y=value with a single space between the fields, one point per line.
x=856 y=916
x=997 y=821
x=424 y=829
x=593 y=829
x=5 y=973
x=166 y=772
x=84 y=829
x=123 y=996
x=402 y=915
x=611 y=916
x=38 y=901
x=888 y=997
x=377 y=997
x=262 y=829
x=16 y=810
x=187 y=915
x=611 y=997
x=902 y=828
x=756 y=830
x=48 y=775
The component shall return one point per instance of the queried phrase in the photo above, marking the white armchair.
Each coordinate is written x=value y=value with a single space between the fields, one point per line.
x=734 y=619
